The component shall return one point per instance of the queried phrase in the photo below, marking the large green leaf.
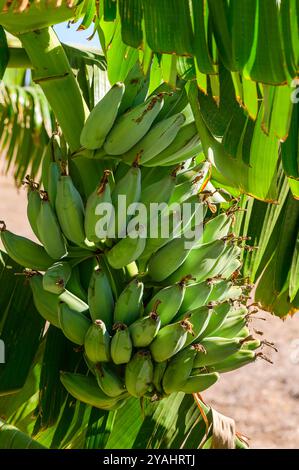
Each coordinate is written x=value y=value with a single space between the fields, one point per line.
x=21 y=327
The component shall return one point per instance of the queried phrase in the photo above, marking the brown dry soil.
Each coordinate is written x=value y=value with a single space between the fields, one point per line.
x=262 y=398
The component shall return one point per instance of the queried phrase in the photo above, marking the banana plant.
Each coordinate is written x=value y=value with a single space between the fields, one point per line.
x=63 y=422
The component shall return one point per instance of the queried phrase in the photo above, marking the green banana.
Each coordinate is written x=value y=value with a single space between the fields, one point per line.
x=216 y=349
x=196 y=295
x=219 y=314
x=86 y=389
x=159 y=369
x=216 y=228
x=128 y=306
x=121 y=344
x=100 y=298
x=33 y=208
x=232 y=268
x=199 y=383
x=235 y=361
x=128 y=249
x=179 y=369
x=225 y=259
x=74 y=325
x=74 y=284
x=251 y=345
x=127 y=191
x=46 y=303
x=23 y=251
x=232 y=325
x=70 y=210
x=170 y=299
x=54 y=174
x=93 y=210
x=172 y=221
x=199 y=319
x=109 y=380
x=158 y=192
x=185 y=145
x=56 y=277
x=97 y=342
x=145 y=329
x=132 y=126
x=139 y=373
x=101 y=118
x=159 y=137
x=168 y=259
x=170 y=340
x=49 y=230
x=199 y=261
x=223 y=290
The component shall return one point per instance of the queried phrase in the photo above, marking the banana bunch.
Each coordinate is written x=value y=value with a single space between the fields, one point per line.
x=151 y=313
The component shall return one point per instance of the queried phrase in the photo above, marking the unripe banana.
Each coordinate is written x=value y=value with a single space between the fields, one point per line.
x=126 y=192
x=251 y=345
x=139 y=374
x=172 y=222
x=132 y=126
x=168 y=259
x=156 y=140
x=128 y=306
x=23 y=251
x=86 y=389
x=93 y=213
x=170 y=340
x=97 y=343
x=216 y=349
x=127 y=250
x=56 y=277
x=199 y=319
x=232 y=268
x=219 y=314
x=224 y=290
x=121 y=344
x=70 y=210
x=109 y=380
x=231 y=326
x=179 y=369
x=145 y=329
x=54 y=175
x=47 y=303
x=216 y=228
x=158 y=192
x=33 y=208
x=235 y=361
x=199 y=261
x=170 y=299
x=74 y=284
x=100 y=298
x=159 y=369
x=74 y=325
x=49 y=230
x=199 y=383
x=196 y=295
x=186 y=145
x=101 y=118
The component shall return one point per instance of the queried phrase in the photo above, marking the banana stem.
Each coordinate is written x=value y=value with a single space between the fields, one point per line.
x=53 y=73
x=132 y=270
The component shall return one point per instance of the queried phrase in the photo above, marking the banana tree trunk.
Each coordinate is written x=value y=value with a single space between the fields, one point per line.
x=52 y=71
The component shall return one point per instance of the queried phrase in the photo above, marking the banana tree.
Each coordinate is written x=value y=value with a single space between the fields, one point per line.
x=65 y=423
